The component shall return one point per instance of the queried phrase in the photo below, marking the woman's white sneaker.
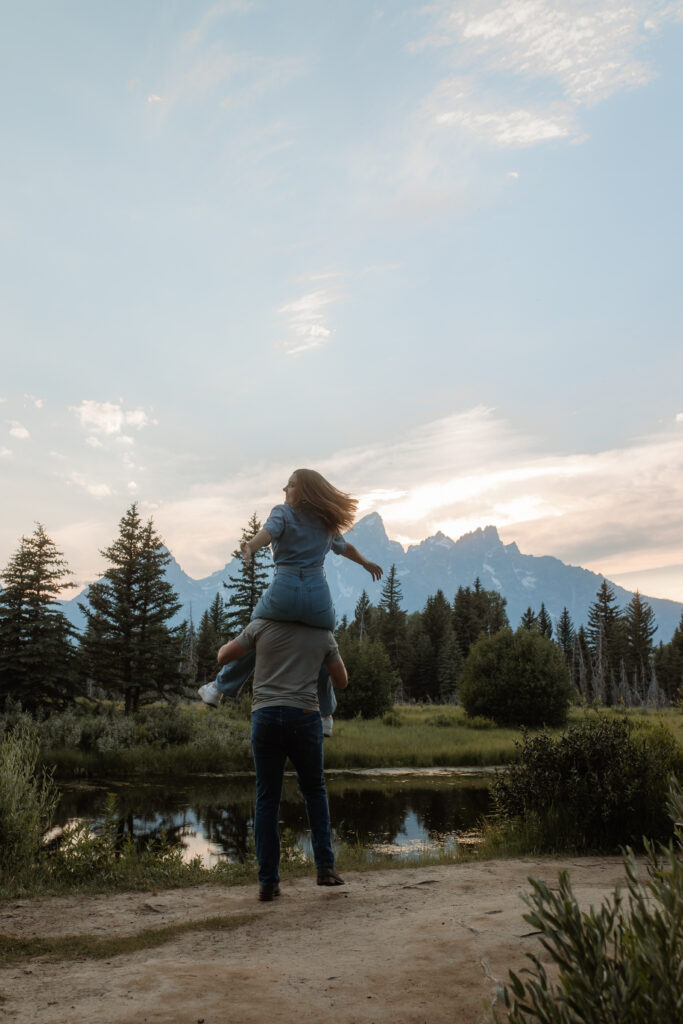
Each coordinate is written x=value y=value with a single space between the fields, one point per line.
x=210 y=694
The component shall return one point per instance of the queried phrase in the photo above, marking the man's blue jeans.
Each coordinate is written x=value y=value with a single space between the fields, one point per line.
x=278 y=733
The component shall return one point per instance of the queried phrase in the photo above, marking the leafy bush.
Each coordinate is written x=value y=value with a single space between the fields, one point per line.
x=618 y=963
x=63 y=729
x=372 y=681
x=392 y=718
x=444 y=720
x=516 y=679
x=27 y=801
x=107 y=733
x=598 y=786
x=166 y=725
x=479 y=722
x=86 y=851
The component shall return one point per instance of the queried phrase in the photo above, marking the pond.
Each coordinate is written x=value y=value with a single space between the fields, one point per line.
x=402 y=813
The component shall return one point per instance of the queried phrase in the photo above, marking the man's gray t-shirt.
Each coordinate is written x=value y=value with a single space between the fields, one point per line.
x=288 y=660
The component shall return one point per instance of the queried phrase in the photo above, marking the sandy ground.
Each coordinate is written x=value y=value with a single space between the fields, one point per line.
x=415 y=946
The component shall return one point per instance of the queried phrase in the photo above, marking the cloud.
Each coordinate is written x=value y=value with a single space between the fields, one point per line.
x=510 y=128
x=5 y=453
x=590 y=50
x=679 y=417
x=153 y=98
x=306 y=322
x=611 y=510
x=18 y=431
x=108 y=418
x=219 y=10
x=93 y=442
x=38 y=402
x=96 y=490
x=573 y=53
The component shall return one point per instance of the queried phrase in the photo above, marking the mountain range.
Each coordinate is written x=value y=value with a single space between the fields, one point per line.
x=437 y=563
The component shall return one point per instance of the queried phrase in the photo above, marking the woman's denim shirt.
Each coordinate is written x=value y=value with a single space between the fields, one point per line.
x=300 y=539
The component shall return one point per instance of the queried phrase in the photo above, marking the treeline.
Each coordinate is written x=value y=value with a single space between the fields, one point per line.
x=129 y=650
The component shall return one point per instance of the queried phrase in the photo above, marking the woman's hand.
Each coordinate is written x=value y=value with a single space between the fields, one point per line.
x=246 y=551
x=374 y=570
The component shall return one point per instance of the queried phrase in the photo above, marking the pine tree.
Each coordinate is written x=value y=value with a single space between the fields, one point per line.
x=248 y=584
x=640 y=627
x=187 y=641
x=606 y=636
x=361 y=616
x=565 y=635
x=668 y=662
x=391 y=621
x=448 y=666
x=544 y=622
x=477 y=611
x=37 y=653
x=129 y=647
x=207 y=649
x=529 y=620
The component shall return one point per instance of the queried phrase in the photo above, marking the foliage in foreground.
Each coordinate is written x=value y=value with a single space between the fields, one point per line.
x=516 y=679
x=27 y=800
x=600 y=785
x=621 y=963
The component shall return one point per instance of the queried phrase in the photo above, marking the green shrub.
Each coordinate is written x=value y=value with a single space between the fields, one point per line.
x=108 y=733
x=598 y=786
x=372 y=681
x=444 y=720
x=163 y=724
x=27 y=801
x=392 y=718
x=516 y=679
x=621 y=963
x=479 y=722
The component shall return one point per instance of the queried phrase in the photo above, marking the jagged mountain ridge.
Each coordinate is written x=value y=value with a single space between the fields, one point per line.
x=437 y=563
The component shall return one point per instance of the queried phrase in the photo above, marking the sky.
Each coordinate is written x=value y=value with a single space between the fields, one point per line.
x=431 y=250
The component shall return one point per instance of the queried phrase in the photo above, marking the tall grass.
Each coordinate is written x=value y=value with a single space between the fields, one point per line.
x=28 y=798
x=193 y=739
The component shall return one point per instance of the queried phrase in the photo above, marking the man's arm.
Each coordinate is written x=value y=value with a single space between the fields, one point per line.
x=354 y=555
x=338 y=674
x=230 y=652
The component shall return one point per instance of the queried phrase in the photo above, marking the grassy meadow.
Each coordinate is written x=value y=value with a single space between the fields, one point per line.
x=217 y=741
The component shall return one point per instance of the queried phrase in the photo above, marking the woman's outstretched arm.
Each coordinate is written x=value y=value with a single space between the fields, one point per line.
x=258 y=541
x=354 y=555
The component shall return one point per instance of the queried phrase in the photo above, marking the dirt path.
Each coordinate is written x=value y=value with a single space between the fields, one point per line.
x=417 y=946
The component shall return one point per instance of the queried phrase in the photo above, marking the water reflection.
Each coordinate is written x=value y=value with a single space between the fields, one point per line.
x=212 y=817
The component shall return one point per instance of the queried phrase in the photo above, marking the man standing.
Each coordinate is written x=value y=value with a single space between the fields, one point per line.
x=285 y=722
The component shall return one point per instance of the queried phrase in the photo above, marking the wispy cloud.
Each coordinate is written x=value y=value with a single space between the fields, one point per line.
x=94 y=488
x=577 y=52
x=306 y=322
x=590 y=48
x=5 y=453
x=38 y=402
x=616 y=508
x=18 y=431
x=108 y=418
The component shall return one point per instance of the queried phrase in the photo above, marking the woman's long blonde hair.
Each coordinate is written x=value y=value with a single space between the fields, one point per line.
x=336 y=509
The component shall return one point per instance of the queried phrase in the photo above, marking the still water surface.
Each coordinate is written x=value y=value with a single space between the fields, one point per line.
x=399 y=812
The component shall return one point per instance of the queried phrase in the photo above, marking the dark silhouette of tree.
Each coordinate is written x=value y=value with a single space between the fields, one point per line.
x=37 y=653
x=247 y=585
x=129 y=648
